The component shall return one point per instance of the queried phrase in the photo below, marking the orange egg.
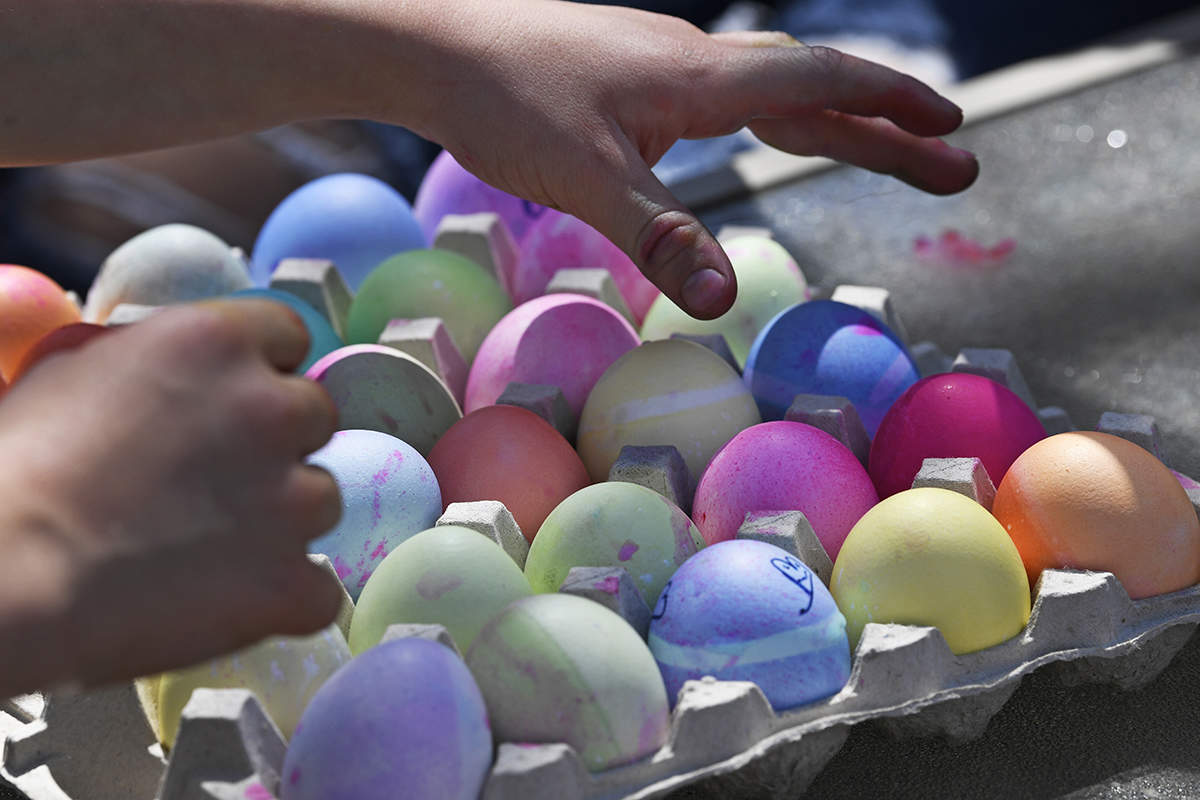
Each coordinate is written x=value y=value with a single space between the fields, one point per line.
x=508 y=454
x=1093 y=501
x=68 y=337
x=31 y=305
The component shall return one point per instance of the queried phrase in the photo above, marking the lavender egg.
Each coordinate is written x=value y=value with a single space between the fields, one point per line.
x=389 y=493
x=749 y=611
x=447 y=188
x=404 y=719
x=825 y=347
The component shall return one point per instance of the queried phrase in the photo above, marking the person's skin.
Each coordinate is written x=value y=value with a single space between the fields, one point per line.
x=154 y=505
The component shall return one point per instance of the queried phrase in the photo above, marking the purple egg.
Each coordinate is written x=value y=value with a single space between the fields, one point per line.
x=563 y=340
x=825 y=347
x=750 y=611
x=404 y=719
x=449 y=189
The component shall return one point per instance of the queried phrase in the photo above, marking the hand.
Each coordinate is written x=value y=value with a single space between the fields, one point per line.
x=570 y=105
x=154 y=503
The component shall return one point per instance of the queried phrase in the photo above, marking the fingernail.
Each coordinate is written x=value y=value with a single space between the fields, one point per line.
x=703 y=289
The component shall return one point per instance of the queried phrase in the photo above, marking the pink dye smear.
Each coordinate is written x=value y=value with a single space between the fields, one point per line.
x=294 y=778
x=340 y=567
x=256 y=791
x=380 y=551
x=610 y=585
x=627 y=550
x=959 y=251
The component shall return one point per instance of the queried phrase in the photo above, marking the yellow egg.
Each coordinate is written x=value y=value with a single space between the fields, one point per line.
x=671 y=392
x=932 y=557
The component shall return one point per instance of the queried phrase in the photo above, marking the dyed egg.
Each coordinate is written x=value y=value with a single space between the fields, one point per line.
x=932 y=557
x=613 y=524
x=559 y=241
x=429 y=283
x=823 y=347
x=31 y=306
x=563 y=340
x=769 y=281
x=447 y=188
x=321 y=336
x=750 y=611
x=284 y=672
x=404 y=719
x=353 y=220
x=446 y=575
x=1187 y=483
x=784 y=466
x=508 y=454
x=68 y=337
x=559 y=668
x=1088 y=500
x=164 y=265
x=670 y=392
x=389 y=493
x=953 y=415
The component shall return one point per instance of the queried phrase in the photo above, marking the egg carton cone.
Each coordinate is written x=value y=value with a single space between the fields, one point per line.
x=596 y=283
x=876 y=301
x=318 y=283
x=483 y=238
x=427 y=340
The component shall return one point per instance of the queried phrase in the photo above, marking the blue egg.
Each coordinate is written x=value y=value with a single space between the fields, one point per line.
x=744 y=610
x=321 y=337
x=824 y=347
x=355 y=221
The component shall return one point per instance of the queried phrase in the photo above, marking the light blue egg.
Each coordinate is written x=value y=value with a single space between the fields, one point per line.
x=321 y=336
x=829 y=348
x=744 y=610
x=353 y=220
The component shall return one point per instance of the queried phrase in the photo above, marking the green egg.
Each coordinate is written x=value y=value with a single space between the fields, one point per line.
x=447 y=575
x=429 y=283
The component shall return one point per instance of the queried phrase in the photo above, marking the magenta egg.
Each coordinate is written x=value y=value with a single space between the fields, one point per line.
x=953 y=415
x=783 y=466
x=563 y=340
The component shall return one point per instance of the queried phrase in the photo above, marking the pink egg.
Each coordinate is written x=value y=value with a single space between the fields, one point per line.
x=559 y=241
x=783 y=466
x=563 y=340
x=953 y=415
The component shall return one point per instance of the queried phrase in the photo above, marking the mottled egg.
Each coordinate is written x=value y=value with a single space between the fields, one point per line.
x=31 y=306
x=824 y=347
x=429 y=283
x=1088 y=500
x=508 y=454
x=559 y=241
x=447 y=575
x=932 y=557
x=404 y=719
x=389 y=493
x=284 y=672
x=559 y=668
x=164 y=265
x=68 y=337
x=563 y=340
x=750 y=611
x=353 y=220
x=784 y=466
x=769 y=281
x=670 y=392
x=613 y=524
x=322 y=339
x=447 y=188
x=953 y=415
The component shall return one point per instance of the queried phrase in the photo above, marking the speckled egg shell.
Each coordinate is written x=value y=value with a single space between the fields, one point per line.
x=31 y=306
x=670 y=392
x=749 y=611
x=1088 y=500
x=353 y=220
x=769 y=281
x=447 y=575
x=559 y=668
x=932 y=557
x=784 y=466
x=953 y=415
x=164 y=265
x=389 y=493
x=563 y=340
x=559 y=241
x=824 y=347
x=322 y=339
x=613 y=524
x=404 y=719
x=447 y=188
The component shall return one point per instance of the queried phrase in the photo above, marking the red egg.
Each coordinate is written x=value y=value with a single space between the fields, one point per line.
x=31 y=305
x=68 y=337
x=953 y=415
x=508 y=454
